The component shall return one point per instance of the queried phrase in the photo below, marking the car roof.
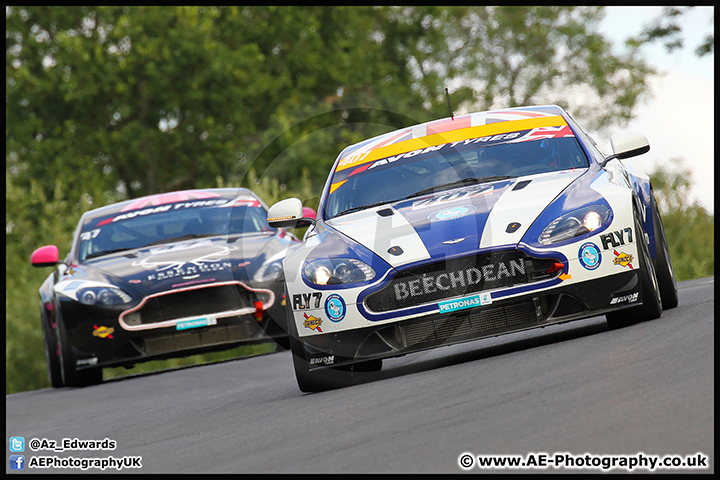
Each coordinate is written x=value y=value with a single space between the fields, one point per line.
x=171 y=197
x=449 y=124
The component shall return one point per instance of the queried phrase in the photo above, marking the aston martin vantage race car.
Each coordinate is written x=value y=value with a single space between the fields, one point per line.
x=161 y=276
x=469 y=227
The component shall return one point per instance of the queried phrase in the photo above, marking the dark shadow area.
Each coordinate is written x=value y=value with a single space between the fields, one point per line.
x=511 y=344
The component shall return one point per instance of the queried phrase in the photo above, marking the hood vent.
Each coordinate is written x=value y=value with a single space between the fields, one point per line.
x=521 y=185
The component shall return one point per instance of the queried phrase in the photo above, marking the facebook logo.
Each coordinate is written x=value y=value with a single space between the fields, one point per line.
x=17 y=444
x=17 y=462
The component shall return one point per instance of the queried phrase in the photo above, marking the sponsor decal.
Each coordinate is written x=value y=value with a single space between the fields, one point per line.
x=329 y=360
x=164 y=261
x=546 y=132
x=459 y=278
x=190 y=272
x=465 y=302
x=302 y=301
x=395 y=158
x=460 y=304
x=497 y=131
x=142 y=213
x=436 y=148
x=85 y=236
x=623 y=259
x=335 y=307
x=452 y=213
x=632 y=298
x=590 y=256
x=616 y=239
x=162 y=208
x=313 y=323
x=172 y=197
x=103 y=332
x=196 y=323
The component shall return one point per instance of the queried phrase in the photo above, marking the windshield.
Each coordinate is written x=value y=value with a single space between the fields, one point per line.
x=172 y=222
x=451 y=165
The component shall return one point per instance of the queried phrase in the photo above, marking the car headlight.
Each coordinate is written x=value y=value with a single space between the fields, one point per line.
x=338 y=271
x=103 y=296
x=575 y=224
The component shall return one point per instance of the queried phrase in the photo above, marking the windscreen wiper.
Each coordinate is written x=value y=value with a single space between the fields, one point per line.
x=363 y=207
x=105 y=252
x=460 y=183
x=181 y=237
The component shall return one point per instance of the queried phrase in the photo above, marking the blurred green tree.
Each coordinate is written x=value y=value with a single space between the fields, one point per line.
x=689 y=228
x=137 y=100
x=666 y=28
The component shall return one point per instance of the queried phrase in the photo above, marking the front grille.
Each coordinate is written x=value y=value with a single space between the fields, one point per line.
x=458 y=277
x=478 y=322
x=218 y=299
x=175 y=342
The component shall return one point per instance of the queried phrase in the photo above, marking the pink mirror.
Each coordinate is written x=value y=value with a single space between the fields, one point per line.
x=46 y=256
x=309 y=213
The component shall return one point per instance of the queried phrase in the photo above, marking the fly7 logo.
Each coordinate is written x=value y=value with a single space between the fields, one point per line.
x=615 y=239
x=302 y=301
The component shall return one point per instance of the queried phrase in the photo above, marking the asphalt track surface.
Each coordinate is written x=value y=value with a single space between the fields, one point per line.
x=575 y=389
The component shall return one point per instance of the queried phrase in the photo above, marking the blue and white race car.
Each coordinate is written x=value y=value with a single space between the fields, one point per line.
x=469 y=227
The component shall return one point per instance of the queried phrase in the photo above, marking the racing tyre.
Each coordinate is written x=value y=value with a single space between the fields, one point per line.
x=332 y=377
x=52 y=350
x=663 y=265
x=651 y=307
x=316 y=380
x=367 y=366
x=72 y=377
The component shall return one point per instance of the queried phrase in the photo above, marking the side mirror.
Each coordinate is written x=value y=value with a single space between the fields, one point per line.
x=626 y=145
x=289 y=213
x=46 y=256
x=629 y=144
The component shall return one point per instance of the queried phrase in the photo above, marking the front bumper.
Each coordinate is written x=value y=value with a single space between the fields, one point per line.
x=98 y=337
x=129 y=349
x=536 y=309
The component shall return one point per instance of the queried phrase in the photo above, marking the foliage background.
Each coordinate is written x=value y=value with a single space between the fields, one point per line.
x=109 y=103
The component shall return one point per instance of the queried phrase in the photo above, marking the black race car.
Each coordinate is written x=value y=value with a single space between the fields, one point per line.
x=162 y=276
